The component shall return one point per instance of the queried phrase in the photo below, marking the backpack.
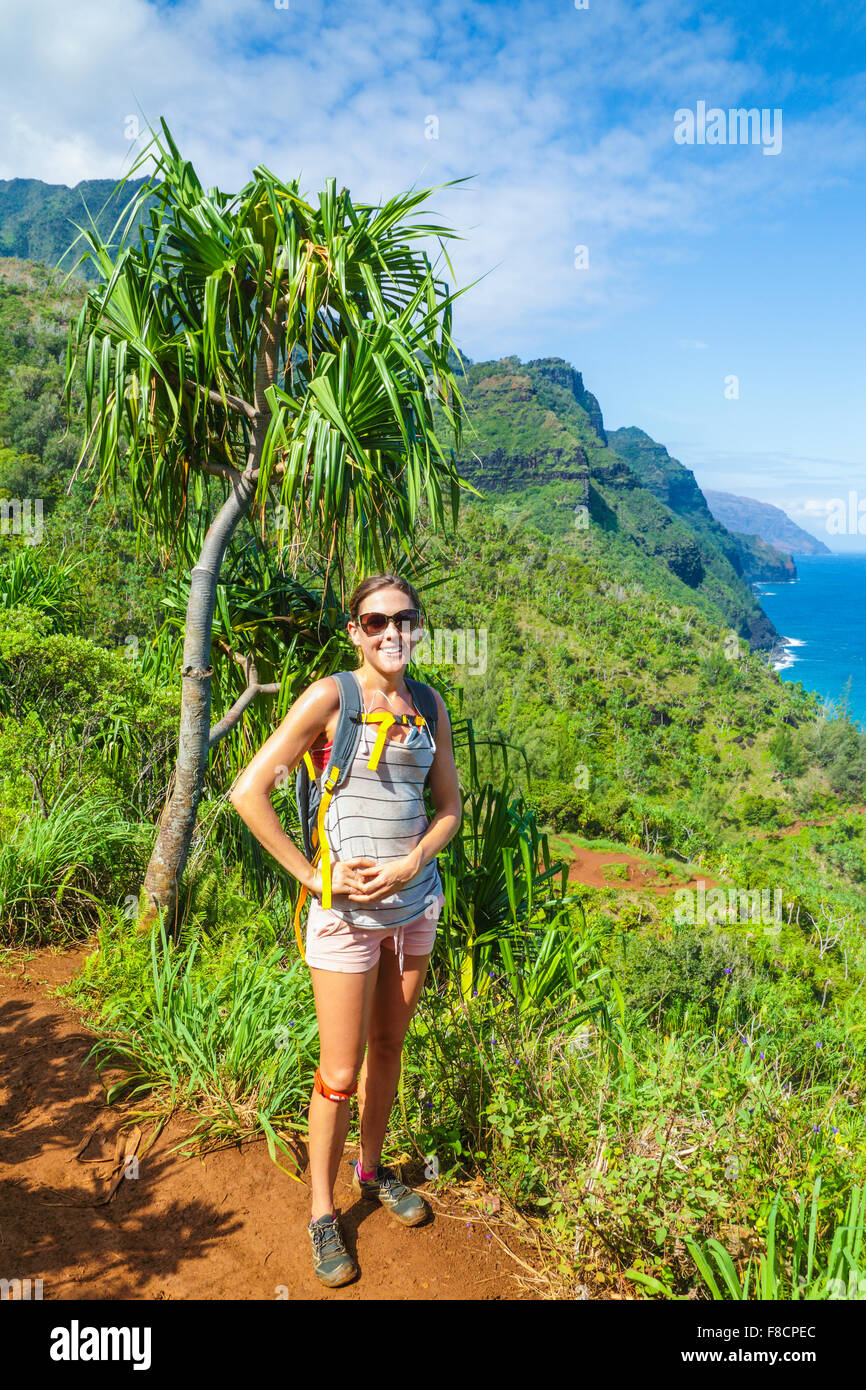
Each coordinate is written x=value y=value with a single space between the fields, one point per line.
x=313 y=801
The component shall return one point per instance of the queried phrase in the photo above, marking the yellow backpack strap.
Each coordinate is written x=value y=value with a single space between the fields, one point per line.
x=310 y=766
x=298 y=905
x=385 y=718
x=327 y=792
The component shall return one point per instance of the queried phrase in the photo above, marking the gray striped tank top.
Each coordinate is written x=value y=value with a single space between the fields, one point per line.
x=381 y=814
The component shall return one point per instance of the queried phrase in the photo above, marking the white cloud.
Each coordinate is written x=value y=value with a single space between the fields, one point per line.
x=564 y=117
x=774 y=478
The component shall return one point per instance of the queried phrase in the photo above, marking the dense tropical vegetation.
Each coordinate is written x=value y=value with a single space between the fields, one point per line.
x=675 y=1105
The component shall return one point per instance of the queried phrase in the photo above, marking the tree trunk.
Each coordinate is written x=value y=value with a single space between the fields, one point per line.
x=159 y=891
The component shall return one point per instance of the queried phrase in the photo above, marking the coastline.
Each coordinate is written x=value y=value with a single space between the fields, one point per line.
x=827 y=613
x=782 y=656
x=779 y=655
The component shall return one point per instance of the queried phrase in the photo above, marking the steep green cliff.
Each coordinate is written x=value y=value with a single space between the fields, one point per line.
x=675 y=485
x=537 y=447
x=762 y=562
x=39 y=221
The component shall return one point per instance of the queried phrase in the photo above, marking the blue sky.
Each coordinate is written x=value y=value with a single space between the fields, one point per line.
x=706 y=261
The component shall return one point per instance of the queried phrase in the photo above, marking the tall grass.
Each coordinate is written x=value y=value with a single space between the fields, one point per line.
x=237 y=1051
x=632 y=1149
x=56 y=869
x=794 y=1265
x=506 y=910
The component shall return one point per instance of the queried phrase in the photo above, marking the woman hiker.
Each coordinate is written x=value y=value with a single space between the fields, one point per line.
x=368 y=952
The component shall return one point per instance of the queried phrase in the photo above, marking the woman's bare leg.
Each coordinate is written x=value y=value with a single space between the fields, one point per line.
x=343 y=1007
x=394 y=1002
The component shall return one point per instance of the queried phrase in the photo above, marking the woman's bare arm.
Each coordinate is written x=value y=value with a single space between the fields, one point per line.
x=445 y=791
x=274 y=765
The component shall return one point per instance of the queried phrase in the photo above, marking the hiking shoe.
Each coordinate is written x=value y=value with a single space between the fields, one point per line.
x=402 y=1202
x=331 y=1260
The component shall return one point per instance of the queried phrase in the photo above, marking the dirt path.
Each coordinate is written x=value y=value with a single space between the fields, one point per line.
x=587 y=865
x=228 y=1226
x=799 y=825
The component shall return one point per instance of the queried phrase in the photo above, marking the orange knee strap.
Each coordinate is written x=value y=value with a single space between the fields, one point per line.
x=325 y=1090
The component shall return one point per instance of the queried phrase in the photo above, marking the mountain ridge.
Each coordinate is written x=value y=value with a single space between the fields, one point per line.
x=40 y=221
x=770 y=524
x=535 y=435
x=676 y=486
x=536 y=440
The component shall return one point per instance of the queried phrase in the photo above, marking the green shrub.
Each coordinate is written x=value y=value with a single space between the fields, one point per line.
x=615 y=871
x=558 y=806
x=786 y=753
x=811 y=795
x=693 y=971
x=758 y=810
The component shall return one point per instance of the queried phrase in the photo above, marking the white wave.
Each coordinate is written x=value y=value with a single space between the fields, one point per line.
x=788 y=658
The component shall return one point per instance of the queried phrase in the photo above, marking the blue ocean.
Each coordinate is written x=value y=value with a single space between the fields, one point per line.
x=822 y=616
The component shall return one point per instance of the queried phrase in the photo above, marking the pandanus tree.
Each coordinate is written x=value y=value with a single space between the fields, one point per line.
x=292 y=356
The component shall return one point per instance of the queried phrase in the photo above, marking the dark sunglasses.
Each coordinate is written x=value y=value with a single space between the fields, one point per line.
x=373 y=623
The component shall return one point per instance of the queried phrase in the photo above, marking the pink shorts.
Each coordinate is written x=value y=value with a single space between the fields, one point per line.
x=334 y=944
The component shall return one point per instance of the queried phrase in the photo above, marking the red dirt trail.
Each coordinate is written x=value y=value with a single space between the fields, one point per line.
x=796 y=826
x=230 y=1225
x=586 y=868
x=586 y=864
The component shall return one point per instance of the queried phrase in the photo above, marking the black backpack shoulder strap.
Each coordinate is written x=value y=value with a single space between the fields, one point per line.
x=313 y=801
x=345 y=743
x=348 y=733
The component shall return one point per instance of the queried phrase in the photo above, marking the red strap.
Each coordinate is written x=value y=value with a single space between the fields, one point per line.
x=325 y=1090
